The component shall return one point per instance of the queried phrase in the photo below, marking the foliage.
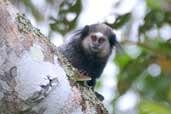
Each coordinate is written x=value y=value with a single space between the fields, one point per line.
x=147 y=107
x=61 y=24
x=35 y=12
x=134 y=72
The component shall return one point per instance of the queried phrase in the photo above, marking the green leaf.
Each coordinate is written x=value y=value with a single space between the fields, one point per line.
x=154 y=4
x=121 y=20
x=60 y=23
x=131 y=70
x=147 y=107
x=122 y=59
x=34 y=10
x=154 y=18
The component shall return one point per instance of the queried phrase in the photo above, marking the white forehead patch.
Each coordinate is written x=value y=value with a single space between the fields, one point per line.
x=99 y=34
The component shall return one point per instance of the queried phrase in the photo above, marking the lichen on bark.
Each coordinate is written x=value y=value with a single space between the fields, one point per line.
x=37 y=84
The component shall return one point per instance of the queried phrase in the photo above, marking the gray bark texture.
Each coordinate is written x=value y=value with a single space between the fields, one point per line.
x=32 y=81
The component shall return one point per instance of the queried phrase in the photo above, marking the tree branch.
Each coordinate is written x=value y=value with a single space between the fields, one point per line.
x=32 y=80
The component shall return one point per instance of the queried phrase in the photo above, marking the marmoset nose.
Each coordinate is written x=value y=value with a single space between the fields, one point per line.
x=94 y=38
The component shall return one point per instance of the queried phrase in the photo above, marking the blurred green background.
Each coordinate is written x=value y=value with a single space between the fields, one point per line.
x=137 y=79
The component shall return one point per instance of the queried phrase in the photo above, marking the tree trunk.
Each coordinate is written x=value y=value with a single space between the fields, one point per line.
x=32 y=81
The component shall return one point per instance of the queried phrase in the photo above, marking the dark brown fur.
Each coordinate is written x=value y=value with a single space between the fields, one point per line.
x=85 y=61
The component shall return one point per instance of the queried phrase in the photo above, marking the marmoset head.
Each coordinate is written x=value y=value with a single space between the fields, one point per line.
x=98 y=39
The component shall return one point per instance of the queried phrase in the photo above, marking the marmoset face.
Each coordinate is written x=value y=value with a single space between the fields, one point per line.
x=96 y=43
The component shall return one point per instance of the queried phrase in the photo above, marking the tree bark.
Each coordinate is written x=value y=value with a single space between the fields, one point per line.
x=32 y=80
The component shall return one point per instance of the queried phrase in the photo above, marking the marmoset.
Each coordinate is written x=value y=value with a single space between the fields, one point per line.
x=89 y=49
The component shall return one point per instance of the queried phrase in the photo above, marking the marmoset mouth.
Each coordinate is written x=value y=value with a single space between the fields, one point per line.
x=95 y=49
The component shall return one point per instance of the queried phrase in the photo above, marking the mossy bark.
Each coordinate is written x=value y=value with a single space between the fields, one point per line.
x=32 y=80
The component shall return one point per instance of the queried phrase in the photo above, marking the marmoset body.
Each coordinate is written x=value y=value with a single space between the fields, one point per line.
x=89 y=49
